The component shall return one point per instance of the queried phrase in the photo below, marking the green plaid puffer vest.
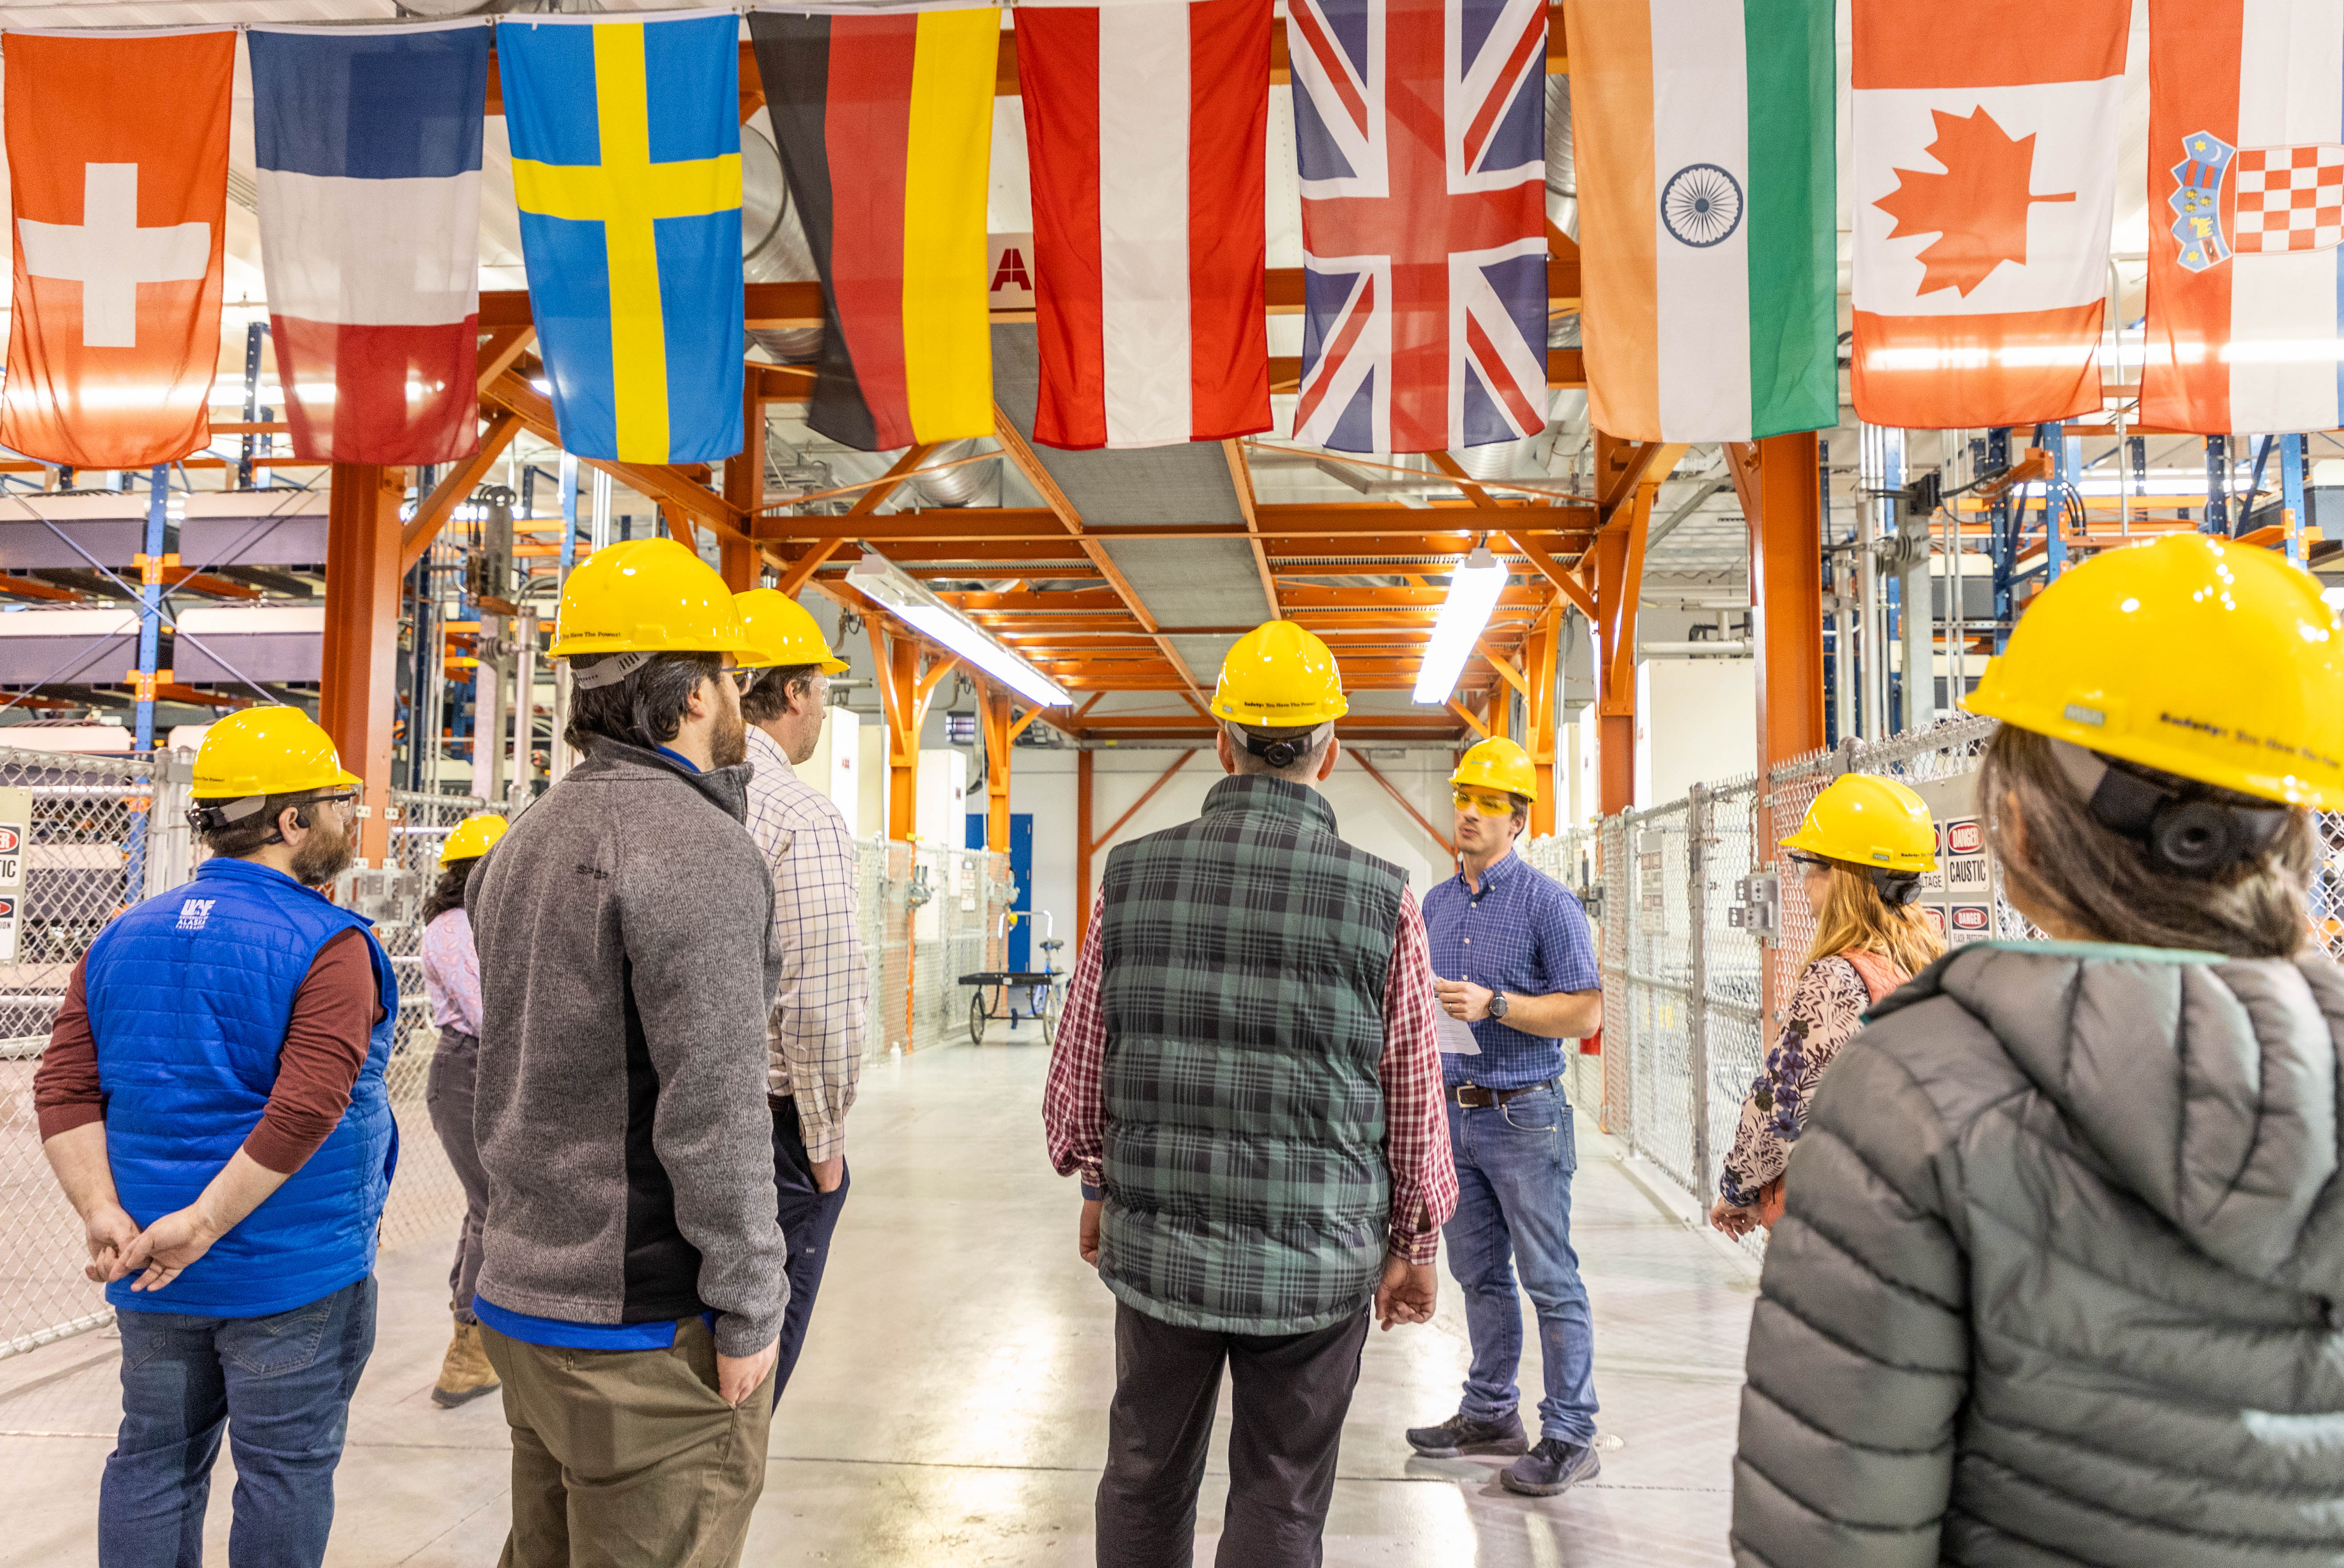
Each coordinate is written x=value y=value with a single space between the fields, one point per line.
x=1244 y=964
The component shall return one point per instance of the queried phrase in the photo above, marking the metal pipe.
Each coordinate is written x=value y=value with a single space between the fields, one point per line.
x=1916 y=601
x=1869 y=473
x=524 y=708
x=598 y=526
x=1956 y=636
x=1737 y=647
x=489 y=708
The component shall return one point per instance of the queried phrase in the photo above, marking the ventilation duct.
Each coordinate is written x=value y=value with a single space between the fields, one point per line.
x=1562 y=159
x=1497 y=460
x=773 y=246
x=960 y=486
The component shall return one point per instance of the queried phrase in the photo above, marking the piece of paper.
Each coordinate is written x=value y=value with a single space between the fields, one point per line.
x=1455 y=1034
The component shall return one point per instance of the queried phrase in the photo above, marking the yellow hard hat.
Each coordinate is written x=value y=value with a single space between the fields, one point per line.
x=645 y=596
x=1279 y=677
x=268 y=750
x=1869 y=820
x=781 y=633
x=2211 y=661
x=473 y=837
x=1497 y=763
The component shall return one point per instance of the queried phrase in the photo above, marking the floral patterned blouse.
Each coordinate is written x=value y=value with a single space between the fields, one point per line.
x=1827 y=1010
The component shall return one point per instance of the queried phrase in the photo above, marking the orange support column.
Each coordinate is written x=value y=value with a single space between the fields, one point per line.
x=744 y=487
x=358 y=684
x=1782 y=498
x=1537 y=654
x=902 y=737
x=1619 y=583
x=992 y=711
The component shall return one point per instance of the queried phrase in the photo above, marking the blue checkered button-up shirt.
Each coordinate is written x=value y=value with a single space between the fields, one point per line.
x=1523 y=934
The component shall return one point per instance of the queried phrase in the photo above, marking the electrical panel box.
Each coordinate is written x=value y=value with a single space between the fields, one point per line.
x=1757 y=907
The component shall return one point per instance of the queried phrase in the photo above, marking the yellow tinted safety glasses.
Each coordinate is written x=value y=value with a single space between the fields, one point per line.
x=1487 y=805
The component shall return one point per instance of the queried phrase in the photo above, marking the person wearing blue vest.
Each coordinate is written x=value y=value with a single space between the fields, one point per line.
x=212 y=1102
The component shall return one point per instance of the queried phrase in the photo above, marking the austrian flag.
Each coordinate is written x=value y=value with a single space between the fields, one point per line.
x=1985 y=175
x=1144 y=125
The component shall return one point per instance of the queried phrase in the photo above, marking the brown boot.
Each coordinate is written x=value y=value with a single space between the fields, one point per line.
x=465 y=1374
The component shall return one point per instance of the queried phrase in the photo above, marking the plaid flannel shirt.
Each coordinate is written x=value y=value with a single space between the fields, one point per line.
x=814 y=1036
x=1416 y=1120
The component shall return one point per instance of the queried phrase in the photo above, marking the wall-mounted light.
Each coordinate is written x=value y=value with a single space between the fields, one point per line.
x=885 y=584
x=1473 y=591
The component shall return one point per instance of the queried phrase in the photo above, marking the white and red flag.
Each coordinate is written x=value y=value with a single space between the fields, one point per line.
x=1984 y=155
x=117 y=168
x=1144 y=132
x=2245 y=206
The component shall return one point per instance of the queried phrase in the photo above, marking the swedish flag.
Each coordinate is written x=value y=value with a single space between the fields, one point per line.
x=626 y=154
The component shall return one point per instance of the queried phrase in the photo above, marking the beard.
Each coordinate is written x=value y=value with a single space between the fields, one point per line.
x=321 y=859
x=728 y=743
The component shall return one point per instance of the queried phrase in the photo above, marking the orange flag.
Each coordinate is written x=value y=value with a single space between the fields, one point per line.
x=117 y=168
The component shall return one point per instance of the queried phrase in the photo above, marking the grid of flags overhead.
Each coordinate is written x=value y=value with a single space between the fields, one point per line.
x=1982 y=170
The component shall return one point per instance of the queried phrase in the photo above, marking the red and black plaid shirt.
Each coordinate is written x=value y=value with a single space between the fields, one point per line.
x=1416 y=1122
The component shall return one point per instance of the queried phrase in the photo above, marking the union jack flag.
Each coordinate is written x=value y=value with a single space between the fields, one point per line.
x=1421 y=129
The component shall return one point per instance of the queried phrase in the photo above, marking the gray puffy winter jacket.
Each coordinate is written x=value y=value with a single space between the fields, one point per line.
x=2061 y=1277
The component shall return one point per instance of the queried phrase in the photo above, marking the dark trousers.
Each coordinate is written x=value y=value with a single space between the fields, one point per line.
x=447 y=1095
x=1289 y=1396
x=280 y=1388
x=808 y=1217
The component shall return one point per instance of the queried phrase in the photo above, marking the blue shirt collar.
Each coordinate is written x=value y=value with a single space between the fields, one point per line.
x=1497 y=873
x=678 y=758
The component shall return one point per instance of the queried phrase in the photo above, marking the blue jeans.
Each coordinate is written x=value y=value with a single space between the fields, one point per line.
x=1513 y=1212
x=282 y=1387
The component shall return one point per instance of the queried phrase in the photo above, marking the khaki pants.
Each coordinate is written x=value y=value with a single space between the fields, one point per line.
x=628 y=1458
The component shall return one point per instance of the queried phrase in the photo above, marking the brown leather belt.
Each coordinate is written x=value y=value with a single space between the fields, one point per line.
x=1473 y=1097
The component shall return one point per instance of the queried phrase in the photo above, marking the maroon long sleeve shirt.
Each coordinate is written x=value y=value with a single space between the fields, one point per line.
x=333 y=1012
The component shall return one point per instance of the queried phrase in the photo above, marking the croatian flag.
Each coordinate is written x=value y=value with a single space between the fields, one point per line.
x=368 y=145
x=1144 y=124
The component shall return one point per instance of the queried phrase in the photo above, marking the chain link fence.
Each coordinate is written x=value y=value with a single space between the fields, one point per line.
x=83 y=837
x=1700 y=950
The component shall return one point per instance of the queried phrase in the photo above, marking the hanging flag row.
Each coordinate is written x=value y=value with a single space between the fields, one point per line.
x=1422 y=131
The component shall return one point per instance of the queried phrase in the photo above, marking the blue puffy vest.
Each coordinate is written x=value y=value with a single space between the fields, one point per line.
x=189 y=995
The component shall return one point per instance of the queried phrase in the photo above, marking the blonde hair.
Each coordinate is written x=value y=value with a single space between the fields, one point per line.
x=1854 y=917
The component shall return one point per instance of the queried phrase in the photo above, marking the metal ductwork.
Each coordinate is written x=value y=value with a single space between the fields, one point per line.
x=962 y=486
x=773 y=246
x=1561 y=158
x=1497 y=460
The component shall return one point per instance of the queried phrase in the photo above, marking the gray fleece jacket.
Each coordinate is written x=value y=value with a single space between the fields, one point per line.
x=621 y=1117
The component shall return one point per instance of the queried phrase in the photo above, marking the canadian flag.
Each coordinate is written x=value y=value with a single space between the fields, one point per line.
x=118 y=169
x=1144 y=131
x=1984 y=153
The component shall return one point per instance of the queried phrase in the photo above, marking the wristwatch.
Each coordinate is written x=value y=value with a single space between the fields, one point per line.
x=1497 y=1004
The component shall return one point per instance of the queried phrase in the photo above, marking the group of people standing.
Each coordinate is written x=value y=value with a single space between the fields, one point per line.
x=2057 y=1228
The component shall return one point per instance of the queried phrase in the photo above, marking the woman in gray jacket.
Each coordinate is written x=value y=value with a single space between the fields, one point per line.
x=2062 y=1275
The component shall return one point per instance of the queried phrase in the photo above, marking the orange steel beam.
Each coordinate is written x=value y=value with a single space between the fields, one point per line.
x=1408 y=805
x=458 y=483
x=992 y=706
x=1513 y=677
x=1005 y=431
x=31 y=588
x=1620 y=581
x=1475 y=725
x=796 y=573
x=1537 y=654
x=1782 y=498
x=657 y=483
x=357 y=688
x=744 y=487
x=1145 y=795
x=1241 y=480
x=502 y=353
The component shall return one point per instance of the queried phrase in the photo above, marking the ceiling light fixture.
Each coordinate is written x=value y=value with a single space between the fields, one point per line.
x=1473 y=590
x=885 y=585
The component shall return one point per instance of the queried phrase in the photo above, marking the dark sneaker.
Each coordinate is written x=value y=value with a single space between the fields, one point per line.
x=1552 y=1466
x=1460 y=1435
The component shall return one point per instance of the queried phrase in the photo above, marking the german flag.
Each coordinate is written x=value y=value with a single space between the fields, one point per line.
x=886 y=127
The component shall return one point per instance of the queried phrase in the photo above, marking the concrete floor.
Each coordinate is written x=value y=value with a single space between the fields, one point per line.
x=951 y=1406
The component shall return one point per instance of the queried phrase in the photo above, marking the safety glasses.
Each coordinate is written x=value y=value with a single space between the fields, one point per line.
x=743 y=679
x=1805 y=862
x=1487 y=805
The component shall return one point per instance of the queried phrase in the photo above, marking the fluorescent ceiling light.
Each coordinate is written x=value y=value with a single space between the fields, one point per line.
x=1473 y=590
x=886 y=586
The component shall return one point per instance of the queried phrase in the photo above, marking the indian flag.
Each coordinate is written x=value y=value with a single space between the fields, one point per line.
x=1707 y=216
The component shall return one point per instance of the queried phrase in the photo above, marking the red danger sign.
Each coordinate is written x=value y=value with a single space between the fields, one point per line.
x=9 y=839
x=1969 y=918
x=1966 y=838
x=7 y=909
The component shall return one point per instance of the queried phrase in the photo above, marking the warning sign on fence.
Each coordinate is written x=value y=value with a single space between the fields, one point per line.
x=15 y=830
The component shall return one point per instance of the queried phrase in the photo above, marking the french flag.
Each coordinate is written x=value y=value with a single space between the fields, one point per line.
x=368 y=145
x=1144 y=132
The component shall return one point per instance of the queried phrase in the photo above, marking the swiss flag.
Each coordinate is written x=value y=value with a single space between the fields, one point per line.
x=1984 y=153
x=117 y=168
